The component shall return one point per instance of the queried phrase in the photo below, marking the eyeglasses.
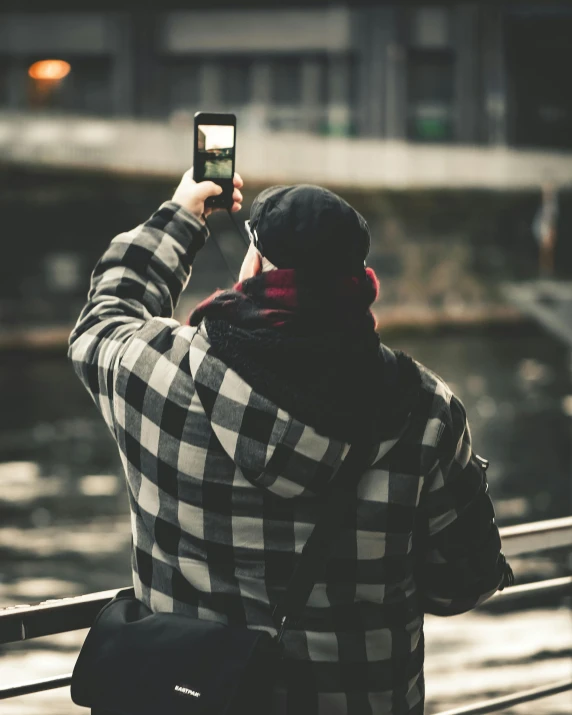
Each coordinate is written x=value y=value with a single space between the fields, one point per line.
x=253 y=236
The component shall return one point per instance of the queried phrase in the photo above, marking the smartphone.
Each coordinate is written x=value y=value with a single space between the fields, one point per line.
x=214 y=154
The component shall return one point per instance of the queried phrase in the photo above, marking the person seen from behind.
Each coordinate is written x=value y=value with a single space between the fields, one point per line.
x=231 y=426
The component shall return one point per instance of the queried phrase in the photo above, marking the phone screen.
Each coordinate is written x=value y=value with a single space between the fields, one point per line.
x=215 y=145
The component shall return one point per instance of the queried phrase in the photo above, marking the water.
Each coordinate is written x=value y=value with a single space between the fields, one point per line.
x=65 y=530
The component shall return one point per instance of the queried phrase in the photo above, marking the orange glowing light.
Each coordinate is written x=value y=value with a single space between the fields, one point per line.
x=49 y=69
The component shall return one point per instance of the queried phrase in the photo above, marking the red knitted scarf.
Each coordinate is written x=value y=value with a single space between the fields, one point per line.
x=286 y=298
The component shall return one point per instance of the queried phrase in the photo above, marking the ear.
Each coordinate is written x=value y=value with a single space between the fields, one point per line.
x=252 y=264
x=257 y=264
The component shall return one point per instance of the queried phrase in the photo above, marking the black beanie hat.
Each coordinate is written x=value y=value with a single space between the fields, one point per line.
x=306 y=226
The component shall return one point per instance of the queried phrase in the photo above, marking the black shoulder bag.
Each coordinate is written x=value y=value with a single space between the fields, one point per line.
x=136 y=662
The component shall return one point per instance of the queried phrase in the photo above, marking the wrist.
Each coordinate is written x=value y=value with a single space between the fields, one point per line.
x=183 y=199
x=188 y=210
x=187 y=222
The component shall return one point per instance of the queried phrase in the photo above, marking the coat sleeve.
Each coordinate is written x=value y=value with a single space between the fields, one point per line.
x=457 y=542
x=134 y=289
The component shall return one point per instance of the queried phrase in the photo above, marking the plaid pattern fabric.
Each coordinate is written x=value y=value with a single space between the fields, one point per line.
x=224 y=489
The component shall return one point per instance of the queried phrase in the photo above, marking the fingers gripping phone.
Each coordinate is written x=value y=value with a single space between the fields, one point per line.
x=214 y=154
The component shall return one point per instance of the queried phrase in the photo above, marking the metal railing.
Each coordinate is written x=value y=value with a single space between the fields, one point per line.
x=507 y=701
x=537 y=536
x=20 y=623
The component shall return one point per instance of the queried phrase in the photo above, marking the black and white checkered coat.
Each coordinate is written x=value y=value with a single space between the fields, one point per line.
x=222 y=488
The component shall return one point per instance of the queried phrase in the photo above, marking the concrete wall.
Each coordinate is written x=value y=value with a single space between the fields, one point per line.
x=290 y=30
x=156 y=148
x=89 y=33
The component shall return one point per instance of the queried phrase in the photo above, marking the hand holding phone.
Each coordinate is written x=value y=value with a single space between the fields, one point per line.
x=214 y=154
x=193 y=196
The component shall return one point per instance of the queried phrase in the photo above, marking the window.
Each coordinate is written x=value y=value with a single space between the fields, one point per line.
x=430 y=87
x=87 y=88
x=314 y=79
x=430 y=75
x=180 y=78
x=236 y=81
x=287 y=81
x=5 y=69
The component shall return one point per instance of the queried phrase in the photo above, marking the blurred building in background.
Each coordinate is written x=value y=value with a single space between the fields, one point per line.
x=383 y=102
x=476 y=73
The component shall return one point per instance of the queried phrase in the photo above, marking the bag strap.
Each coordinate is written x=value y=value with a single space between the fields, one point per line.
x=289 y=609
x=338 y=504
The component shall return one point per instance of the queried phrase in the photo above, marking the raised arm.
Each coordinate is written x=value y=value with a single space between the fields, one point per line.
x=136 y=285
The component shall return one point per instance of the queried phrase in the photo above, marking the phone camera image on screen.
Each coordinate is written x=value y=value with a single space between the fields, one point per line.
x=215 y=144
